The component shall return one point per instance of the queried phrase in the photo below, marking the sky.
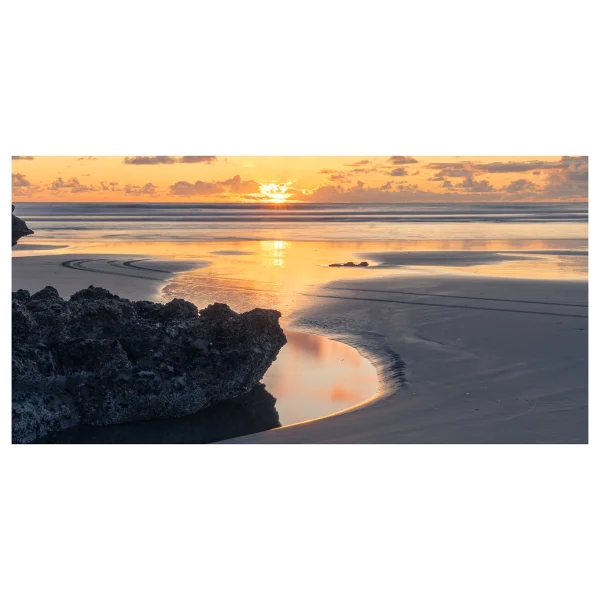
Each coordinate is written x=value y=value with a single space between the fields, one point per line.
x=280 y=179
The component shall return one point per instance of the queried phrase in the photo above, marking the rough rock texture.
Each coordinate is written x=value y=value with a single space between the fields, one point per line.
x=364 y=263
x=249 y=413
x=19 y=228
x=99 y=359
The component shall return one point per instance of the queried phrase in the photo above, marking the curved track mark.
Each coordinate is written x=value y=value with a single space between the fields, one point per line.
x=511 y=310
x=77 y=265
x=129 y=263
x=459 y=297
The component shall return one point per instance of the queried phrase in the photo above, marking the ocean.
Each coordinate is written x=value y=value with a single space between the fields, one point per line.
x=310 y=222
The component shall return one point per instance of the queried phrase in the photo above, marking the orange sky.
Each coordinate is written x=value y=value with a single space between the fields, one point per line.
x=305 y=179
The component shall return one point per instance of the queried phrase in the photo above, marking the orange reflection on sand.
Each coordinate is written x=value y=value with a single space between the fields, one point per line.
x=340 y=393
x=314 y=376
x=543 y=267
x=274 y=251
x=277 y=273
x=323 y=251
x=320 y=349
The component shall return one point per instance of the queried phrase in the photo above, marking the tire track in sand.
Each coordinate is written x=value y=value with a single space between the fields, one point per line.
x=78 y=266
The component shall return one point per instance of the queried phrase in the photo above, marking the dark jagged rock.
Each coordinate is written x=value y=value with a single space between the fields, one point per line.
x=364 y=263
x=250 y=413
x=19 y=228
x=98 y=359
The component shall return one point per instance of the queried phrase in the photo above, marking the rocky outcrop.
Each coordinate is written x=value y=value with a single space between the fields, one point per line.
x=98 y=359
x=19 y=228
x=250 y=413
x=364 y=263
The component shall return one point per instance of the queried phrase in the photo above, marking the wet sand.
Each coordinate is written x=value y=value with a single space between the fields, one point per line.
x=133 y=277
x=461 y=358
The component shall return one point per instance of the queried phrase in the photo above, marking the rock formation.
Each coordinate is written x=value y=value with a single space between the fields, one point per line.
x=250 y=413
x=364 y=263
x=19 y=228
x=98 y=359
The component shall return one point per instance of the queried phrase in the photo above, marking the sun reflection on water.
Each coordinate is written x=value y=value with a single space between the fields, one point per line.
x=274 y=252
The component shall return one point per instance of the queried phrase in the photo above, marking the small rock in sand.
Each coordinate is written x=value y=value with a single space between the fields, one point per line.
x=364 y=263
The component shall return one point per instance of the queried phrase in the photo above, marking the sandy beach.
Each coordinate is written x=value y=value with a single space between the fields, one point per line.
x=404 y=299
x=133 y=277
x=460 y=358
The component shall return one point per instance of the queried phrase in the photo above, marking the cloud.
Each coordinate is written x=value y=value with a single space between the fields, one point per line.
x=359 y=163
x=475 y=186
x=21 y=185
x=521 y=185
x=518 y=167
x=577 y=168
x=22 y=157
x=342 y=176
x=87 y=158
x=399 y=172
x=197 y=159
x=327 y=193
x=403 y=192
x=109 y=186
x=402 y=160
x=361 y=192
x=463 y=168
x=59 y=183
x=167 y=160
x=404 y=186
x=78 y=188
x=444 y=165
x=200 y=188
x=237 y=186
x=566 y=178
x=571 y=182
x=72 y=183
x=19 y=180
x=149 y=160
x=459 y=171
x=136 y=190
x=148 y=188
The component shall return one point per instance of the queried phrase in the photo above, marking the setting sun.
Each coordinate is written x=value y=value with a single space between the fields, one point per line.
x=275 y=192
x=300 y=277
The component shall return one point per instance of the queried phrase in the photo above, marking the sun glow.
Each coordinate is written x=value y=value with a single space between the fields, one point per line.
x=274 y=192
